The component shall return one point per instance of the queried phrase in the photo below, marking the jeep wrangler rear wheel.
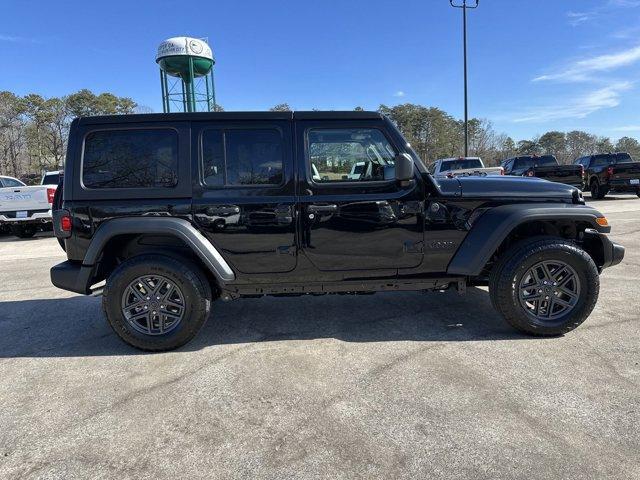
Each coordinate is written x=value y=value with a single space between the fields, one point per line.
x=545 y=286
x=155 y=302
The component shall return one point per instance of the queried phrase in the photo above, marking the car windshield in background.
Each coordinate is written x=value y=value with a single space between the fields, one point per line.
x=460 y=165
x=51 y=179
x=536 y=161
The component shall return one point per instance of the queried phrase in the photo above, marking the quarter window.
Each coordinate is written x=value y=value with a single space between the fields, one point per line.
x=130 y=159
x=242 y=157
x=350 y=155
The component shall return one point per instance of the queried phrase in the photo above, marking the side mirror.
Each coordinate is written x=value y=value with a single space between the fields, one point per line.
x=404 y=167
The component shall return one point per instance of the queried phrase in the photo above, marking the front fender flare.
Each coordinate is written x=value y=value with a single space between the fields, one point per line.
x=490 y=230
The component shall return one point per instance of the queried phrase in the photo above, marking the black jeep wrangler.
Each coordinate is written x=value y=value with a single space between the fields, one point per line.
x=176 y=210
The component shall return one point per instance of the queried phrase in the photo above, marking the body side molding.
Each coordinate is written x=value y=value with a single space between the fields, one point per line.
x=489 y=231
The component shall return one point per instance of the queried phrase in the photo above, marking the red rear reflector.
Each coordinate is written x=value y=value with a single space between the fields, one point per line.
x=51 y=192
x=65 y=223
x=610 y=171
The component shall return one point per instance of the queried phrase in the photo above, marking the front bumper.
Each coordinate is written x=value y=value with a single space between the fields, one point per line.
x=72 y=276
x=611 y=253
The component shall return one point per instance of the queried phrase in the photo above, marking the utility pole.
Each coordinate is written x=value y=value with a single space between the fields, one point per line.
x=464 y=8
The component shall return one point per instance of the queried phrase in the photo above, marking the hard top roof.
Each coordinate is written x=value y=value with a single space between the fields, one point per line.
x=231 y=116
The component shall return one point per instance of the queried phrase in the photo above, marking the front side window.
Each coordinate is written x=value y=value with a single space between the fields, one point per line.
x=239 y=157
x=350 y=155
x=130 y=159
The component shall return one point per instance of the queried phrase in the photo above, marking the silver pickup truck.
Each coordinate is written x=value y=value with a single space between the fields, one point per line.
x=25 y=209
x=462 y=167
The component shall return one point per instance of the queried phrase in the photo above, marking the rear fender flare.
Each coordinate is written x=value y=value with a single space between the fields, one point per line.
x=177 y=227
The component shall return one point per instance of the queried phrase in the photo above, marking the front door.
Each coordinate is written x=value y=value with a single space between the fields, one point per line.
x=354 y=214
x=244 y=197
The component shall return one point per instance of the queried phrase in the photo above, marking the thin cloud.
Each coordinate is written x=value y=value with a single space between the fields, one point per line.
x=579 y=107
x=578 y=18
x=399 y=93
x=580 y=70
x=627 y=128
x=16 y=39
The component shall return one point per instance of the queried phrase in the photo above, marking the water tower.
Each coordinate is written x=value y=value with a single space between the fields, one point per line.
x=186 y=75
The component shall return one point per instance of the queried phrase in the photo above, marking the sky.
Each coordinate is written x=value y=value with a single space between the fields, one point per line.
x=534 y=65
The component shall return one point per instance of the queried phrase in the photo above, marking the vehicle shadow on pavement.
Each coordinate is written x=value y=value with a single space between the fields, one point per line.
x=76 y=326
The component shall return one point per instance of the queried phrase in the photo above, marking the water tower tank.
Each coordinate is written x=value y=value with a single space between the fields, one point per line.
x=187 y=59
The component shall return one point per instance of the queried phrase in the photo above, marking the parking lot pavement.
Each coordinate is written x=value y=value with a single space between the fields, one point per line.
x=394 y=385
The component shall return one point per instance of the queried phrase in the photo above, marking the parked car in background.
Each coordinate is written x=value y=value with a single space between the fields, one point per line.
x=462 y=167
x=610 y=172
x=25 y=209
x=141 y=212
x=545 y=167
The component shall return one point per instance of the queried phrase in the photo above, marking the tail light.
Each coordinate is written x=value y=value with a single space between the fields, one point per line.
x=582 y=171
x=610 y=172
x=65 y=223
x=51 y=192
x=501 y=171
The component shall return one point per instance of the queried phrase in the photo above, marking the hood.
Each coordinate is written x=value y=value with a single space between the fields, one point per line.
x=504 y=187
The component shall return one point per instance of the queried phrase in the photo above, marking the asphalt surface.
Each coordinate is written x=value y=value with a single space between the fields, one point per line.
x=394 y=385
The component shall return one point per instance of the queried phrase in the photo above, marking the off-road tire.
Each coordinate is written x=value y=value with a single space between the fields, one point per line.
x=506 y=275
x=598 y=192
x=193 y=285
x=26 y=231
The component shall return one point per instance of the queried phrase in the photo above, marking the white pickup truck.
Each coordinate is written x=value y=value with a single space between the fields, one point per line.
x=23 y=209
x=461 y=167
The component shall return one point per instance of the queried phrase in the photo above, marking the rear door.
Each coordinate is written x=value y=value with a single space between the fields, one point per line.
x=243 y=194
x=347 y=223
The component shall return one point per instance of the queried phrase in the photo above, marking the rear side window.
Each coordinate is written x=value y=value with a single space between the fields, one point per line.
x=239 y=157
x=130 y=159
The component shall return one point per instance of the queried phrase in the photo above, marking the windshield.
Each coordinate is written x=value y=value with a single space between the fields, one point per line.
x=528 y=162
x=461 y=164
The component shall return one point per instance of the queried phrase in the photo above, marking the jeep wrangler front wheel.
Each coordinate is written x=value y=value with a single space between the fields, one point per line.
x=545 y=286
x=155 y=302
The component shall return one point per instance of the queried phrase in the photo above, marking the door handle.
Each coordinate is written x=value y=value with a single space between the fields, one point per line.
x=322 y=208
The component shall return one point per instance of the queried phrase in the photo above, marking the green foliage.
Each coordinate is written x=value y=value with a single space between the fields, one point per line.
x=281 y=107
x=34 y=130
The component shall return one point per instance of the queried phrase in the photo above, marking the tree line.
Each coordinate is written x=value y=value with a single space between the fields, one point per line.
x=34 y=130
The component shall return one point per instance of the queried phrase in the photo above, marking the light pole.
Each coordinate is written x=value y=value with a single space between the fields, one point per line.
x=464 y=7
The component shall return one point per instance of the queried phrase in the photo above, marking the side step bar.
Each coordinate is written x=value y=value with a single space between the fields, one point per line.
x=232 y=292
